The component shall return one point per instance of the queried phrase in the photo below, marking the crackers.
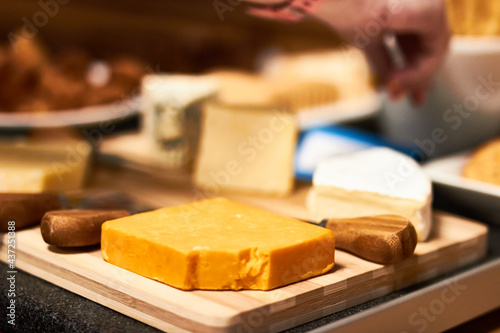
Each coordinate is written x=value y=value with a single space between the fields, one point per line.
x=484 y=163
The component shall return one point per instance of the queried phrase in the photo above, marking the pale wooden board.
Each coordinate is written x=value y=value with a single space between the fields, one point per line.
x=352 y=281
x=456 y=243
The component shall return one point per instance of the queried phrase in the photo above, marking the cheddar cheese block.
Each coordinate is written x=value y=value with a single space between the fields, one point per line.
x=42 y=167
x=218 y=244
x=246 y=149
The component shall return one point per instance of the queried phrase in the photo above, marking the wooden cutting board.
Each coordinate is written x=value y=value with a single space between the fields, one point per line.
x=456 y=242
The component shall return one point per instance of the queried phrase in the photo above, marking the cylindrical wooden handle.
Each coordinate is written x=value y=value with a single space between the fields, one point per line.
x=25 y=209
x=384 y=239
x=76 y=227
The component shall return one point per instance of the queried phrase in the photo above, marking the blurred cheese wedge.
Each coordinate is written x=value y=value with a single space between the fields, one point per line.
x=246 y=149
x=375 y=181
x=242 y=88
x=218 y=244
x=303 y=95
x=41 y=167
x=347 y=70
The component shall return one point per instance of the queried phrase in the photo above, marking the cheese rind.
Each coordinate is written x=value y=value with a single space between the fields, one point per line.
x=218 y=244
x=375 y=181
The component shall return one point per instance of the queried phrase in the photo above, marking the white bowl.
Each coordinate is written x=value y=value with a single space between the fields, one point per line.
x=462 y=109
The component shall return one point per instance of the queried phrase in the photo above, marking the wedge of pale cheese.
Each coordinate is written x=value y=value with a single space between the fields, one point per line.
x=218 y=244
x=372 y=182
x=42 y=167
x=246 y=149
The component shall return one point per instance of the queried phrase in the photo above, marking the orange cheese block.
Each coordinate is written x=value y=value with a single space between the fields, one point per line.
x=218 y=244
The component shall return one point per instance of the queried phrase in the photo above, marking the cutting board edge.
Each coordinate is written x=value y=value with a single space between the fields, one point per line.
x=479 y=242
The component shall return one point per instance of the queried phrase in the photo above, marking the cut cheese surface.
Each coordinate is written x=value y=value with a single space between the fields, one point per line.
x=41 y=167
x=374 y=181
x=242 y=88
x=246 y=149
x=218 y=244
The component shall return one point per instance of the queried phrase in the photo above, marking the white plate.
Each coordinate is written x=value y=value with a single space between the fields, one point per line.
x=119 y=110
x=447 y=173
x=340 y=112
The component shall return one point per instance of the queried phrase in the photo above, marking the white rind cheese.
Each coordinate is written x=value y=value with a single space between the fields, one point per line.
x=372 y=182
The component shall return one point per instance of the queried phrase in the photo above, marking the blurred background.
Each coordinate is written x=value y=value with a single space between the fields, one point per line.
x=189 y=36
x=133 y=81
x=173 y=101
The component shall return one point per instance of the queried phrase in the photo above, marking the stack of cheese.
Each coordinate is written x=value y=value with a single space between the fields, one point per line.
x=375 y=181
x=478 y=18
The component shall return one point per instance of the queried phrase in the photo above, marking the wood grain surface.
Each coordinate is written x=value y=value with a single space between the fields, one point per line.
x=455 y=242
x=384 y=239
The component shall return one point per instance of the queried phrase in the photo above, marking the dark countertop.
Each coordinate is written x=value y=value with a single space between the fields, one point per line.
x=44 y=307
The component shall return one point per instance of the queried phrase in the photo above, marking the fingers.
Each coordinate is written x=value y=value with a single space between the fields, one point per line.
x=416 y=78
x=413 y=80
x=425 y=48
x=415 y=75
x=419 y=96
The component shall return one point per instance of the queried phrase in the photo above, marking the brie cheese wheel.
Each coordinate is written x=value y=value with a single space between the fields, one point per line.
x=372 y=182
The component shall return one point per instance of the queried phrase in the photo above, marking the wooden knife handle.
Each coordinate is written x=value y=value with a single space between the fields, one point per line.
x=384 y=239
x=76 y=227
x=26 y=209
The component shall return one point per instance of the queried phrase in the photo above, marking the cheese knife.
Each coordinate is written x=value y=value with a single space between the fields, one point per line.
x=383 y=239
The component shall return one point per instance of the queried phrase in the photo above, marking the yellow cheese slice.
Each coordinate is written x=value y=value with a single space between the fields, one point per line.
x=41 y=167
x=218 y=244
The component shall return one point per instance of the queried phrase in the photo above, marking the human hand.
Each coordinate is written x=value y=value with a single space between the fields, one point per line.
x=420 y=27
